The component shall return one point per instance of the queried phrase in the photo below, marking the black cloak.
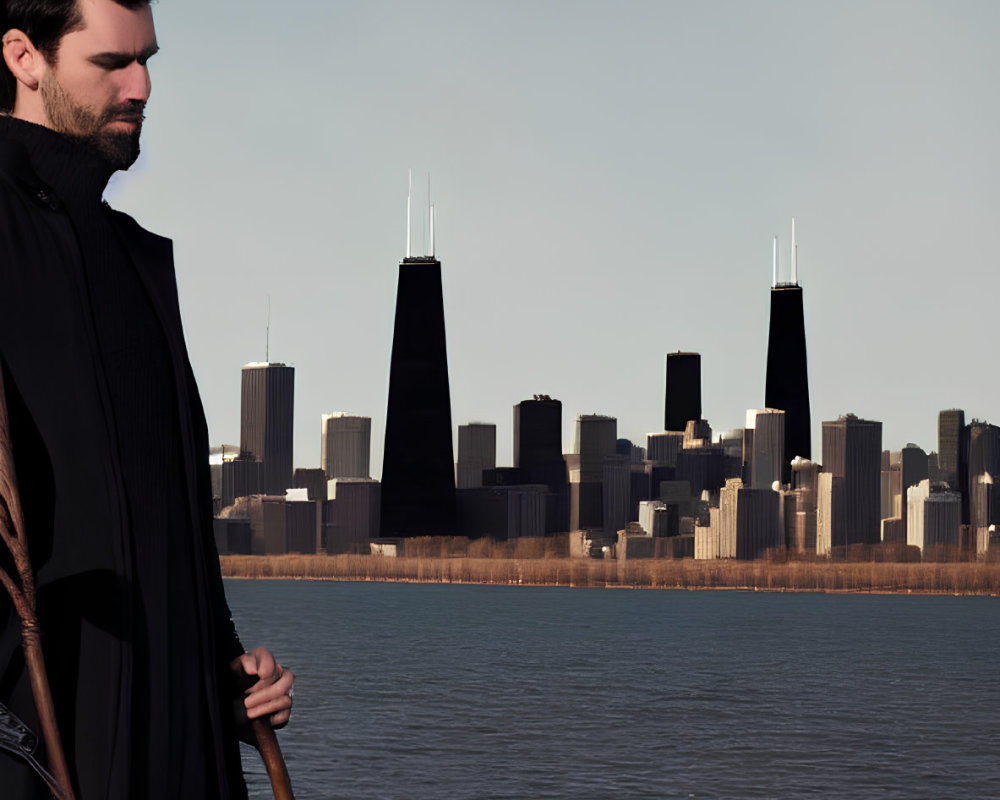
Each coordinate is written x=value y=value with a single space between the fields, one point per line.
x=104 y=604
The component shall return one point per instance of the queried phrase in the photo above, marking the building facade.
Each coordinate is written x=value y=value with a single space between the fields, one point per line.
x=477 y=451
x=267 y=405
x=852 y=451
x=766 y=439
x=345 y=446
x=538 y=453
x=683 y=391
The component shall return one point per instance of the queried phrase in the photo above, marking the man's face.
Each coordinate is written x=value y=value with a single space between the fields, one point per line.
x=99 y=85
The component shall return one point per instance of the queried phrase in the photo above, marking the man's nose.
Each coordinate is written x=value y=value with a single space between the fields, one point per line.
x=137 y=85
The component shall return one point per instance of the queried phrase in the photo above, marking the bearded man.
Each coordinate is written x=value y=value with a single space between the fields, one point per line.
x=109 y=437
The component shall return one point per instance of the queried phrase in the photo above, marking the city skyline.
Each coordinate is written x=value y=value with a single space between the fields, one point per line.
x=607 y=196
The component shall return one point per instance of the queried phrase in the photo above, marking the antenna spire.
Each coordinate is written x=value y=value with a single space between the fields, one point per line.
x=774 y=280
x=428 y=219
x=432 y=231
x=409 y=194
x=795 y=257
x=267 y=335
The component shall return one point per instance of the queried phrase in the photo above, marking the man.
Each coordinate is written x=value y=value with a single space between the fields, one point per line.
x=109 y=438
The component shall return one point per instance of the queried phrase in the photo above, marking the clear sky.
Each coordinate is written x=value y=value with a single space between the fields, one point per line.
x=607 y=178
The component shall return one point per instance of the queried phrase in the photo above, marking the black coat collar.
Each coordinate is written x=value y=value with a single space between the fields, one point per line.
x=16 y=167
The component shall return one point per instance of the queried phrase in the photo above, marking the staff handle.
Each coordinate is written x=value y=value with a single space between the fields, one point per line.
x=267 y=746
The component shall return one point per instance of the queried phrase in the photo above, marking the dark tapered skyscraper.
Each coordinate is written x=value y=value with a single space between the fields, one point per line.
x=683 y=395
x=267 y=403
x=418 y=467
x=787 y=382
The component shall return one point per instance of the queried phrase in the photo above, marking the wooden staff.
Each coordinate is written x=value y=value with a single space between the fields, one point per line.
x=267 y=746
x=22 y=593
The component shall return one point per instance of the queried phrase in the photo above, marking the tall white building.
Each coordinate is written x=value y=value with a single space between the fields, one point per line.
x=346 y=446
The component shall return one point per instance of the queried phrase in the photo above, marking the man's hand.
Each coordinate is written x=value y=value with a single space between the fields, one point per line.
x=272 y=693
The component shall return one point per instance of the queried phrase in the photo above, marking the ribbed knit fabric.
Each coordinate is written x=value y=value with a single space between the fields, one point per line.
x=171 y=756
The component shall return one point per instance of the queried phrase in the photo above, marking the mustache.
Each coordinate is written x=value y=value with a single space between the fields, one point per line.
x=133 y=111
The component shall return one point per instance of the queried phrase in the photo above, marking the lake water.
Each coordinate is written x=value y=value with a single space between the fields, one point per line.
x=447 y=691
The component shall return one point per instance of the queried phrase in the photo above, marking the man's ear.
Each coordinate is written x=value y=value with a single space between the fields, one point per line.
x=23 y=59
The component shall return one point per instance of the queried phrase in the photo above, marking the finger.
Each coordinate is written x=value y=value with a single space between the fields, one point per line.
x=280 y=720
x=266 y=665
x=264 y=692
x=274 y=706
x=247 y=663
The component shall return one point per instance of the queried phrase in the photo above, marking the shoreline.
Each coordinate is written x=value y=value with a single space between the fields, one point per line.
x=433 y=582
x=969 y=578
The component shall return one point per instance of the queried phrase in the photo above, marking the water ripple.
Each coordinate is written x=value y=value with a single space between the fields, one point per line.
x=422 y=691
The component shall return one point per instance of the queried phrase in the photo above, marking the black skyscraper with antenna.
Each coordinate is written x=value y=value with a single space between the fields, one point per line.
x=787 y=383
x=418 y=465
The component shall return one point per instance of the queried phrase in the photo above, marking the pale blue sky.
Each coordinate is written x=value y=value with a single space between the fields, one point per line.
x=607 y=177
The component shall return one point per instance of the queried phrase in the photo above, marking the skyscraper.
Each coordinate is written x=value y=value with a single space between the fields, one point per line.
x=346 y=446
x=596 y=437
x=266 y=412
x=477 y=450
x=787 y=382
x=984 y=459
x=933 y=516
x=852 y=450
x=418 y=467
x=765 y=434
x=539 y=455
x=952 y=456
x=683 y=392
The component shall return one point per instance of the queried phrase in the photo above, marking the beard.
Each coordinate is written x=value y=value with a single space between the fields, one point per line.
x=89 y=125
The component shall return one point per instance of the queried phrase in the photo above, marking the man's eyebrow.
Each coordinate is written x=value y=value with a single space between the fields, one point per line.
x=113 y=59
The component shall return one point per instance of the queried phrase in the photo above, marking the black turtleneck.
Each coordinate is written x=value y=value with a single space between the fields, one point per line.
x=169 y=725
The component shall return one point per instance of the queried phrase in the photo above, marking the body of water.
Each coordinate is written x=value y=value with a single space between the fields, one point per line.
x=443 y=691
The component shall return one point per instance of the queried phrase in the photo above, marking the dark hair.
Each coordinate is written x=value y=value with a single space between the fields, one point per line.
x=45 y=22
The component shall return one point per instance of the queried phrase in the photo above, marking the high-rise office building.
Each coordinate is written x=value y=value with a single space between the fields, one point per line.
x=787 y=382
x=952 y=454
x=933 y=516
x=477 y=450
x=594 y=443
x=765 y=435
x=345 y=446
x=830 y=522
x=350 y=514
x=683 y=392
x=266 y=414
x=984 y=459
x=914 y=465
x=758 y=526
x=242 y=476
x=852 y=450
x=662 y=448
x=418 y=468
x=538 y=454
x=615 y=493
